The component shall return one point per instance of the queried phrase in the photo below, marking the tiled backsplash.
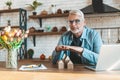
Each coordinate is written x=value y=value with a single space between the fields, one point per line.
x=46 y=44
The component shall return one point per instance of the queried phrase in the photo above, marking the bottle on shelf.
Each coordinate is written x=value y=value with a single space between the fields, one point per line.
x=9 y=23
x=53 y=9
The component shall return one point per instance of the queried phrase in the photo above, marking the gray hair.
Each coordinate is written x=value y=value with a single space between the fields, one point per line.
x=77 y=12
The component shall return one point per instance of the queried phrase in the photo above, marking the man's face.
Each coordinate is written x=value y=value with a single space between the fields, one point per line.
x=76 y=23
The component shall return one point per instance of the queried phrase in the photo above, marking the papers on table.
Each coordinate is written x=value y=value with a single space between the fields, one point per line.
x=33 y=67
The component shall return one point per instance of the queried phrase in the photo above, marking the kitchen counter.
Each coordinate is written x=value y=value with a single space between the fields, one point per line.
x=53 y=73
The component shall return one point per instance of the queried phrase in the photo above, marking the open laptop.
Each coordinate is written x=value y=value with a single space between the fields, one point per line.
x=109 y=58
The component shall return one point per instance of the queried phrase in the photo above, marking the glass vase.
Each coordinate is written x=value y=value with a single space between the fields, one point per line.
x=11 y=59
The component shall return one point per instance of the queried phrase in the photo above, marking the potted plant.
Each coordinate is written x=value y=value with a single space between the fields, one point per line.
x=30 y=53
x=34 y=6
x=9 y=3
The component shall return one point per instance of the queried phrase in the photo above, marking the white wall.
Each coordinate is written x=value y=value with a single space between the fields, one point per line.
x=46 y=44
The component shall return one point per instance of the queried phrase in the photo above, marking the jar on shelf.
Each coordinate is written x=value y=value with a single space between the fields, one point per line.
x=53 y=9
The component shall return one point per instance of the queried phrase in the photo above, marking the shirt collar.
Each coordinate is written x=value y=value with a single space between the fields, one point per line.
x=84 y=34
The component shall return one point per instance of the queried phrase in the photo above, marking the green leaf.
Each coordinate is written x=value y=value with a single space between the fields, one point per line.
x=35 y=4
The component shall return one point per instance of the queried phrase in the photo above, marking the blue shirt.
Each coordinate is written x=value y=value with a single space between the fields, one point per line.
x=91 y=44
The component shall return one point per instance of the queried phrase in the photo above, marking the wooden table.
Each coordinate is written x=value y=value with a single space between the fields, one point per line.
x=52 y=73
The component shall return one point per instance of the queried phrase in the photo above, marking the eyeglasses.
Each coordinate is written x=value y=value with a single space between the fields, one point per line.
x=76 y=21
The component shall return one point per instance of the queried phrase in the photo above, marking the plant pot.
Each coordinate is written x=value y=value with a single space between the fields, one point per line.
x=34 y=13
x=9 y=7
x=30 y=56
x=30 y=53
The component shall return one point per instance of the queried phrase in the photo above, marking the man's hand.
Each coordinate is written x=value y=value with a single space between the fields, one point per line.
x=62 y=47
x=76 y=49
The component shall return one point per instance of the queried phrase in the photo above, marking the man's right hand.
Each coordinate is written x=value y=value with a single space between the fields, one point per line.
x=62 y=47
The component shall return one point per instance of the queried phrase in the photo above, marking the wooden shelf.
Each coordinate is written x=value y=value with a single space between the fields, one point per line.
x=48 y=16
x=45 y=33
x=40 y=17
x=9 y=10
x=34 y=34
x=2 y=27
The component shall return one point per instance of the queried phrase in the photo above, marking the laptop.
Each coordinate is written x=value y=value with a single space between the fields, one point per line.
x=109 y=58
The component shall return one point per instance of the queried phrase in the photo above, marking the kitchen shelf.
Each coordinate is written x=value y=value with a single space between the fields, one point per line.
x=44 y=33
x=9 y=10
x=34 y=34
x=22 y=16
x=48 y=16
x=2 y=27
x=40 y=17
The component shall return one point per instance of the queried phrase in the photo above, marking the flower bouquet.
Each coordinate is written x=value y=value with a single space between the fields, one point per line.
x=11 y=39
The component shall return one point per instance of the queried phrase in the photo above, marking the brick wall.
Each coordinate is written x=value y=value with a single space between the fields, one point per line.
x=46 y=44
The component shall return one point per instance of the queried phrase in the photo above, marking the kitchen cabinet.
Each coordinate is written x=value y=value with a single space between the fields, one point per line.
x=22 y=24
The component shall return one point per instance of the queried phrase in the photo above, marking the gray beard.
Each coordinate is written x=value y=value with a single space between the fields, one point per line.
x=76 y=31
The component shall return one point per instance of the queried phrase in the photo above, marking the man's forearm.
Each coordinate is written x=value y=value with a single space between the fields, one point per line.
x=79 y=50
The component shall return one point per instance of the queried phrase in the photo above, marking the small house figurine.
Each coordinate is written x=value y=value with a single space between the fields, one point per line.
x=67 y=59
x=70 y=65
x=61 y=64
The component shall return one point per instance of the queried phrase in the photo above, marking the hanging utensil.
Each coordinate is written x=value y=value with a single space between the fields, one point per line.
x=118 y=41
x=109 y=36
x=101 y=33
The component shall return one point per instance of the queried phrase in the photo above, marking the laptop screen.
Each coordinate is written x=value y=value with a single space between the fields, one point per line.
x=109 y=58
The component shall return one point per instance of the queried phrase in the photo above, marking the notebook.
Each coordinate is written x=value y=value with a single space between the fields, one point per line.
x=109 y=58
